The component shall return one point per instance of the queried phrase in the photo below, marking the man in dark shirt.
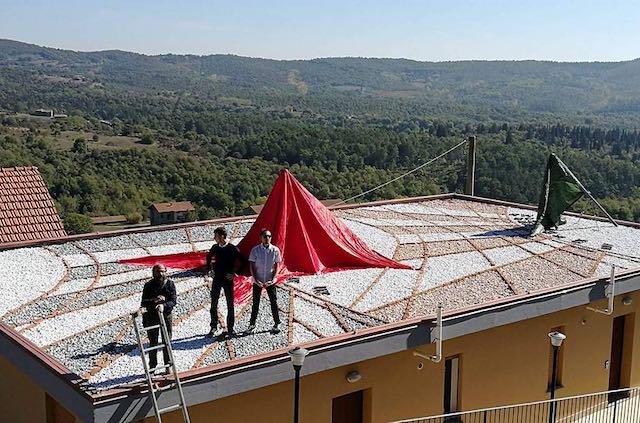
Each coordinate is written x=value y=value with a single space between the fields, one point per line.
x=158 y=295
x=224 y=260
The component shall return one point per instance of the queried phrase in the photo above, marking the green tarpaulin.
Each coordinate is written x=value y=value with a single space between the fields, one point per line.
x=559 y=191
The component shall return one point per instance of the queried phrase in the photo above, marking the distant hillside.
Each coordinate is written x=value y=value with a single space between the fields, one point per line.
x=28 y=73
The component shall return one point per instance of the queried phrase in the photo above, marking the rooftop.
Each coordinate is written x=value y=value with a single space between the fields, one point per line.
x=72 y=299
x=327 y=203
x=178 y=206
x=27 y=211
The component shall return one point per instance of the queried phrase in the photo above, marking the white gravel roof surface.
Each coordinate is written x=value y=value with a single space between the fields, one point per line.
x=74 y=300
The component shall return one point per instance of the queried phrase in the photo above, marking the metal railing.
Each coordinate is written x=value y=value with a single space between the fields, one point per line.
x=618 y=406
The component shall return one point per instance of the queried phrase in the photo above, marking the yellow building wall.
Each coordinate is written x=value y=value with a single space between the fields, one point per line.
x=501 y=366
x=21 y=400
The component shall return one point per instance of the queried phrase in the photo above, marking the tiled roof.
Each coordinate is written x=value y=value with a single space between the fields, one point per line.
x=178 y=206
x=73 y=299
x=27 y=211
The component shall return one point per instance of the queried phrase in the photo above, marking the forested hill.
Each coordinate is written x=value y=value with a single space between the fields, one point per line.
x=216 y=130
x=525 y=86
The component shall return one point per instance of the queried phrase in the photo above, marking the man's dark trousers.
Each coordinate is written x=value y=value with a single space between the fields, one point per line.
x=153 y=340
x=227 y=286
x=271 y=292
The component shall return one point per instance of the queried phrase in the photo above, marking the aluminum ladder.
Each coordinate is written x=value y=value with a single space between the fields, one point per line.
x=139 y=328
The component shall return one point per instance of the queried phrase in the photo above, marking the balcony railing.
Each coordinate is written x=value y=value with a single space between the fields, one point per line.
x=618 y=406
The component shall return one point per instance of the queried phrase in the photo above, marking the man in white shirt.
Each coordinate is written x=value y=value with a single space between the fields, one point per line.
x=264 y=261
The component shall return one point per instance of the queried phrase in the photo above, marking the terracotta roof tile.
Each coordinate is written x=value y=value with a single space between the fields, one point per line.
x=27 y=211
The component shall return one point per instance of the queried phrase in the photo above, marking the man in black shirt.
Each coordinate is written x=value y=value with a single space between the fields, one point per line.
x=158 y=295
x=228 y=261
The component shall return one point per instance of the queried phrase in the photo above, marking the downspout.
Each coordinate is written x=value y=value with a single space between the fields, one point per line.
x=610 y=292
x=438 y=356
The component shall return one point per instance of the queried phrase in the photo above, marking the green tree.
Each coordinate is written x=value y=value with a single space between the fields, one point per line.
x=75 y=223
x=80 y=145
x=146 y=138
x=134 y=217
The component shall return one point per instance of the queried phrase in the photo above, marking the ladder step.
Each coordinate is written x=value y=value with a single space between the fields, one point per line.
x=165 y=366
x=166 y=387
x=170 y=408
x=157 y=347
x=151 y=327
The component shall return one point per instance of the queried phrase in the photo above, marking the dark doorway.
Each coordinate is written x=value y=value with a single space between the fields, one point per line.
x=616 y=362
x=347 y=408
x=451 y=379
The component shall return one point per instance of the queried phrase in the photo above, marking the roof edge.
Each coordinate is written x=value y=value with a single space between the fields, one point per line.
x=532 y=207
x=46 y=371
x=94 y=235
x=358 y=336
x=277 y=369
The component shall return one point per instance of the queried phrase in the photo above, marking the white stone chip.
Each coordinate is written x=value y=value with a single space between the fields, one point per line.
x=620 y=262
x=73 y=285
x=441 y=237
x=76 y=260
x=489 y=215
x=316 y=317
x=26 y=274
x=203 y=245
x=537 y=247
x=59 y=327
x=449 y=209
x=603 y=270
x=413 y=208
x=395 y=284
x=442 y=269
x=188 y=344
x=188 y=284
x=511 y=211
x=188 y=340
x=126 y=369
x=170 y=249
x=115 y=255
x=409 y=238
x=399 y=222
x=414 y=263
x=366 y=220
x=344 y=287
x=504 y=255
x=376 y=239
x=124 y=277
x=302 y=334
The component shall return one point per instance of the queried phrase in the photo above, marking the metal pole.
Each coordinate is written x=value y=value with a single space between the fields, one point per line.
x=586 y=191
x=552 y=404
x=296 y=401
x=471 y=166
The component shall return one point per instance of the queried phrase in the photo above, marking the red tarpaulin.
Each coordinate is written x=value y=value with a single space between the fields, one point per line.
x=310 y=237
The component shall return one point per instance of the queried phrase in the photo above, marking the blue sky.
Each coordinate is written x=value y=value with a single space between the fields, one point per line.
x=433 y=30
